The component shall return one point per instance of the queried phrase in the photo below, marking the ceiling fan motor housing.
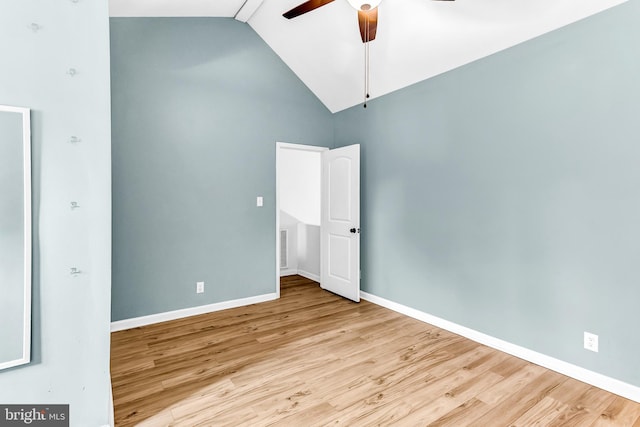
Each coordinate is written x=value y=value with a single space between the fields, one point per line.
x=360 y=5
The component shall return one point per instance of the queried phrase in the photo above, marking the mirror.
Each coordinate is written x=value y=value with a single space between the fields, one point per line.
x=15 y=236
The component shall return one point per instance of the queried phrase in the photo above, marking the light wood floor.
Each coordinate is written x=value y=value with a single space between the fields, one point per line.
x=314 y=359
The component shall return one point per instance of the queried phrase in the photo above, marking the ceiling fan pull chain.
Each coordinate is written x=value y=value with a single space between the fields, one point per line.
x=366 y=63
x=368 y=71
x=365 y=75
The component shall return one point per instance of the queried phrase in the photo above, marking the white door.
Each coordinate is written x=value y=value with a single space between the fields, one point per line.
x=340 y=222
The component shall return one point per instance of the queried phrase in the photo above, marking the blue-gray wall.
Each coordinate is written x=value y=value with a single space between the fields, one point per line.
x=70 y=341
x=198 y=105
x=504 y=195
x=500 y=195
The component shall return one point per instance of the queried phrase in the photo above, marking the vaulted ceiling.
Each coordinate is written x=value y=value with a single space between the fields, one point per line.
x=416 y=39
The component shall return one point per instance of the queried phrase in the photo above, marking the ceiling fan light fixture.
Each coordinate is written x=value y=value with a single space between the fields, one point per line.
x=364 y=4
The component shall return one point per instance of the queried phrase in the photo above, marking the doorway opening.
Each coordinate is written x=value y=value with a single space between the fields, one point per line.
x=319 y=203
x=298 y=207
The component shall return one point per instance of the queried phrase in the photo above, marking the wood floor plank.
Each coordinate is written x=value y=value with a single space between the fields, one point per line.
x=619 y=412
x=521 y=400
x=517 y=380
x=585 y=409
x=462 y=415
x=541 y=414
x=315 y=416
x=312 y=358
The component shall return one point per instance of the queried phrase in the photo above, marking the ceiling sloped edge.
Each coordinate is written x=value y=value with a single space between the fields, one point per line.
x=339 y=91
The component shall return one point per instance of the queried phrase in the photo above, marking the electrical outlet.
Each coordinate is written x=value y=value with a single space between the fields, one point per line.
x=199 y=287
x=591 y=341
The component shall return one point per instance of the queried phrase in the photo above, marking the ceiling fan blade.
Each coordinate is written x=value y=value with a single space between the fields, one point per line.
x=368 y=21
x=305 y=7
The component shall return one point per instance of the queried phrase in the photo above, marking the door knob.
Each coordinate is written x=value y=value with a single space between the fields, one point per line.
x=354 y=230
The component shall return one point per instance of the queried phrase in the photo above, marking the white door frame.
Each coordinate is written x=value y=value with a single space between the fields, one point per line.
x=285 y=146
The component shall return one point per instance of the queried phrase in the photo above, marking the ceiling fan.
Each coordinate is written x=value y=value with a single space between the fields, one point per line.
x=367 y=14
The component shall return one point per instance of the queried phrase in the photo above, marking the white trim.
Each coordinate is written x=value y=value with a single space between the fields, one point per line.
x=28 y=226
x=26 y=236
x=278 y=161
x=293 y=272
x=112 y=421
x=310 y=276
x=121 y=325
x=301 y=147
x=247 y=10
x=288 y=146
x=598 y=380
x=288 y=272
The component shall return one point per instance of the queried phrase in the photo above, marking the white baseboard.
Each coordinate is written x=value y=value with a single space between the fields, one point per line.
x=121 y=325
x=288 y=272
x=292 y=272
x=310 y=276
x=598 y=380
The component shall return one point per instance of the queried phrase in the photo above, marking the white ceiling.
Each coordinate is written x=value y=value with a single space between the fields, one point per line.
x=416 y=39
